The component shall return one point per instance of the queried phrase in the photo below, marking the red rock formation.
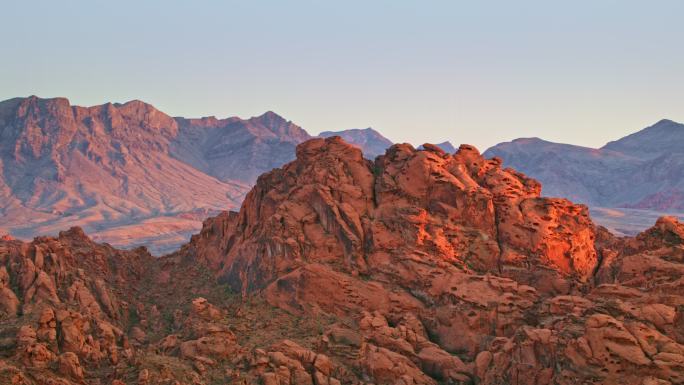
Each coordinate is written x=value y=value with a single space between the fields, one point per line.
x=466 y=246
x=332 y=206
x=420 y=268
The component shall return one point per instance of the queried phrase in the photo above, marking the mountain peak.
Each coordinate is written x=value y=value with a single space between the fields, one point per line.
x=276 y=124
x=138 y=105
x=666 y=122
x=270 y=116
x=314 y=150
x=371 y=142
x=665 y=136
x=529 y=140
x=60 y=99
x=50 y=103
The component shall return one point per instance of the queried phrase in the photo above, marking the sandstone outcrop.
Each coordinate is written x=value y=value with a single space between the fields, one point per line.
x=422 y=267
x=484 y=264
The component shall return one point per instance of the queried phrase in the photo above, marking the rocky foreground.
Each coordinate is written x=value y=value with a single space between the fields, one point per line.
x=419 y=268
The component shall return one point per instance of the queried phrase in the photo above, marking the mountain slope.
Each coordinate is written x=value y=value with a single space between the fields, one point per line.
x=130 y=174
x=237 y=149
x=98 y=167
x=664 y=137
x=643 y=170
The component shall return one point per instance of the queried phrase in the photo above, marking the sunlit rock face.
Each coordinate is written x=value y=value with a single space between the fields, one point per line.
x=331 y=205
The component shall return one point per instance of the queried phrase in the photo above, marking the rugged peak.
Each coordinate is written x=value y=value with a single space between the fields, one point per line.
x=56 y=100
x=371 y=142
x=333 y=146
x=332 y=206
x=667 y=229
x=270 y=119
x=433 y=148
x=75 y=232
x=399 y=151
x=135 y=104
x=271 y=115
x=275 y=126
x=34 y=105
x=668 y=221
x=147 y=116
x=102 y=167
x=669 y=123
x=663 y=137
x=467 y=148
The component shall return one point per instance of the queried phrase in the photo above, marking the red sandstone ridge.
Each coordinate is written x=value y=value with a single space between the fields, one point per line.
x=333 y=206
x=422 y=267
x=490 y=271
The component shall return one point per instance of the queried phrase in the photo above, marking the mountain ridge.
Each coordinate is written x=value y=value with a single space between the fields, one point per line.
x=641 y=170
x=127 y=172
x=42 y=165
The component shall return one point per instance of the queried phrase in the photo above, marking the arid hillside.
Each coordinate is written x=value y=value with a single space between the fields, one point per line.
x=129 y=174
x=643 y=170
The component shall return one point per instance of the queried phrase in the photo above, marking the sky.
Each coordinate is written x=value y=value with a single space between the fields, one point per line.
x=580 y=72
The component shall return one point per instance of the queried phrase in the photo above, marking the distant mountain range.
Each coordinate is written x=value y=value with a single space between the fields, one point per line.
x=644 y=170
x=131 y=175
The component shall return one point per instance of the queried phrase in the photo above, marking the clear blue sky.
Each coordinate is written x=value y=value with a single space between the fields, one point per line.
x=581 y=72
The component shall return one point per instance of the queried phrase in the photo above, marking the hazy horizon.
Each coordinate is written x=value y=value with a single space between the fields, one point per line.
x=582 y=73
